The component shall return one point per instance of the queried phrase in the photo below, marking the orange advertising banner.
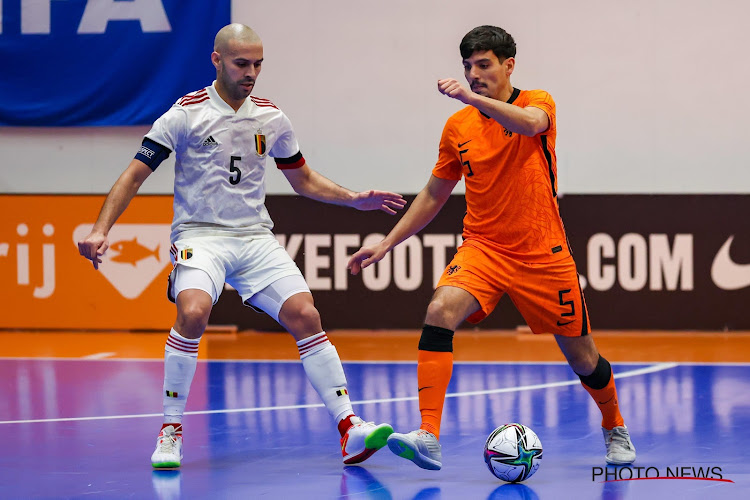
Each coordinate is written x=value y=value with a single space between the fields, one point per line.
x=45 y=283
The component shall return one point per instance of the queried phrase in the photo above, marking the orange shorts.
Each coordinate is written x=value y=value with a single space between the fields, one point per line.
x=547 y=295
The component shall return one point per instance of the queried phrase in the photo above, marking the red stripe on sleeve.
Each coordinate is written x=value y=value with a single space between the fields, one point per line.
x=196 y=101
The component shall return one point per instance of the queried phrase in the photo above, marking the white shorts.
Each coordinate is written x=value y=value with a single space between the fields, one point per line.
x=250 y=264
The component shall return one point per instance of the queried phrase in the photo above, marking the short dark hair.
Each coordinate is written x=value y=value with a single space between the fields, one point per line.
x=483 y=38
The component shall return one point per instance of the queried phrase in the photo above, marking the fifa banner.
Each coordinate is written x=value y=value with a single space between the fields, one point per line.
x=646 y=262
x=103 y=62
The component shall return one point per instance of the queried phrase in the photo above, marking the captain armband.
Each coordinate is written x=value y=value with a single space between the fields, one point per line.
x=292 y=162
x=152 y=153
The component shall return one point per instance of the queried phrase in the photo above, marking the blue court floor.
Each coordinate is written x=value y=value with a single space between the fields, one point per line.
x=86 y=429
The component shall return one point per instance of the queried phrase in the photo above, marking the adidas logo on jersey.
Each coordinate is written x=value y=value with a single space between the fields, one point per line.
x=210 y=141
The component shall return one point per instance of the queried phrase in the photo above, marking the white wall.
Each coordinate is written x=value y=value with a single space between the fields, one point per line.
x=650 y=94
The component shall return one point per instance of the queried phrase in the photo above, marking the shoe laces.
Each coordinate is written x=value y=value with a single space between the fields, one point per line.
x=428 y=438
x=167 y=440
x=421 y=433
x=356 y=421
x=619 y=435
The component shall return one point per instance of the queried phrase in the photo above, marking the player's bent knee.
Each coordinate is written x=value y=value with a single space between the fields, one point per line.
x=442 y=315
x=196 y=314
x=193 y=314
x=301 y=318
x=310 y=317
x=434 y=308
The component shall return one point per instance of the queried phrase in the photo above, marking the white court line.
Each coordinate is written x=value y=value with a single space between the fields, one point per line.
x=632 y=373
x=362 y=362
x=99 y=355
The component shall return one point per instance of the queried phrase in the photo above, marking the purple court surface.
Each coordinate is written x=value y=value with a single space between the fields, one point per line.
x=72 y=428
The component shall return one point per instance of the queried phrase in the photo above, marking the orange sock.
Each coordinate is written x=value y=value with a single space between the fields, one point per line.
x=434 y=371
x=606 y=400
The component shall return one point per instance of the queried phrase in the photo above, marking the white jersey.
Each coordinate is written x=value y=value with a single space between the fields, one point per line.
x=220 y=167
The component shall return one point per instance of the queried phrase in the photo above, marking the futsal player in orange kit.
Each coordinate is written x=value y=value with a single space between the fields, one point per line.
x=503 y=144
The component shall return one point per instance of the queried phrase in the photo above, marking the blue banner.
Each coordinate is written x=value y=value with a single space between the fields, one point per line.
x=103 y=62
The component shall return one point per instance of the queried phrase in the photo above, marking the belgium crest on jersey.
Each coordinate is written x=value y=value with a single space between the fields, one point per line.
x=260 y=143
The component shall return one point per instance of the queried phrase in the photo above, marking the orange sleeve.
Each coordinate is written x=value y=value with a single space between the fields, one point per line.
x=448 y=165
x=542 y=100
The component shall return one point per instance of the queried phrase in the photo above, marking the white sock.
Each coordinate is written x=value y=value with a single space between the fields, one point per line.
x=324 y=371
x=180 y=360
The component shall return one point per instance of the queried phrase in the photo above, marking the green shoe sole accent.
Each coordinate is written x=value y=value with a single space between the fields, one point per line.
x=378 y=438
x=406 y=453
x=410 y=451
x=166 y=465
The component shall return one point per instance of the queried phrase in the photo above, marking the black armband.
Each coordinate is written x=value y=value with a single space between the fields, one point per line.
x=152 y=153
x=295 y=161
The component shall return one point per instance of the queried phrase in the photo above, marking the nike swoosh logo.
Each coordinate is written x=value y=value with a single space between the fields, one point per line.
x=462 y=144
x=605 y=402
x=426 y=387
x=566 y=323
x=727 y=274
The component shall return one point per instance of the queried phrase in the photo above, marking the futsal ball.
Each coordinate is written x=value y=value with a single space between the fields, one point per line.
x=513 y=452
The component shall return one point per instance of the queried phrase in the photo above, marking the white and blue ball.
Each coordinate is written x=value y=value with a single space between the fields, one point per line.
x=513 y=452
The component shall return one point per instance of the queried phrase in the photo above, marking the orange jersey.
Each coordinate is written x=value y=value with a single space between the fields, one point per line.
x=511 y=181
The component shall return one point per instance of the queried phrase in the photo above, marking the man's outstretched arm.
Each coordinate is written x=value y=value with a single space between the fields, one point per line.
x=309 y=183
x=125 y=188
x=423 y=209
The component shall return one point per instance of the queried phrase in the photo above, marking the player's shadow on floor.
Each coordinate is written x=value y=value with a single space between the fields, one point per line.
x=513 y=491
x=615 y=490
x=431 y=493
x=358 y=482
x=167 y=484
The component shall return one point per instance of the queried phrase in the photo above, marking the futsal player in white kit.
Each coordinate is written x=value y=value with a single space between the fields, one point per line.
x=221 y=232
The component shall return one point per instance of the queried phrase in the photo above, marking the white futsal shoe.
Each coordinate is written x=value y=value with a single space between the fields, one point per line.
x=363 y=439
x=620 y=449
x=420 y=446
x=168 y=453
